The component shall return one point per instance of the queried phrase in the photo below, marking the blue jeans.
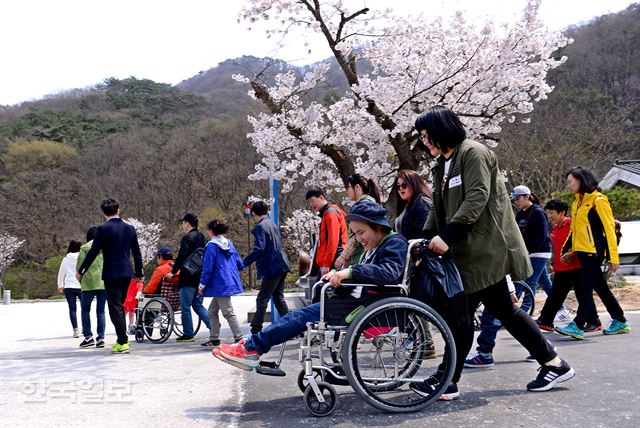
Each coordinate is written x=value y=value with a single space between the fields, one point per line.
x=287 y=327
x=189 y=298
x=540 y=275
x=71 y=294
x=85 y=304
x=489 y=326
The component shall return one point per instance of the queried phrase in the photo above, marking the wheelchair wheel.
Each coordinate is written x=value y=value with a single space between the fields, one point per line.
x=315 y=407
x=157 y=320
x=385 y=352
x=526 y=298
x=139 y=335
x=177 y=323
x=303 y=382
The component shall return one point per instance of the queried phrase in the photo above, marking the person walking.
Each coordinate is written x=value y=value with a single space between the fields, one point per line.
x=565 y=275
x=412 y=211
x=220 y=279
x=534 y=226
x=188 y=283
x=358 y=189
x=592 y=240
x=272 y=264
x=92 y=287
x=69 y=284
x=333 y=230
x=472 y=218
x=414 y=204
x=118 y=241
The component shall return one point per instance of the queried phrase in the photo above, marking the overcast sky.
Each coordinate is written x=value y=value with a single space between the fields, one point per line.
x=51 y=45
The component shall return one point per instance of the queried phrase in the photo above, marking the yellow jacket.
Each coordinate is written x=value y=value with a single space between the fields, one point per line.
x=586 y=232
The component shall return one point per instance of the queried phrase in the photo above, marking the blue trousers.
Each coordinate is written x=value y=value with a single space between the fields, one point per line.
x=286 y=328
x=540 y=275
x=189 y=298
x=85 y=304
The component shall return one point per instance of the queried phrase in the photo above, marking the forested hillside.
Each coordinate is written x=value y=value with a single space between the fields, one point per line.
x=163 y=150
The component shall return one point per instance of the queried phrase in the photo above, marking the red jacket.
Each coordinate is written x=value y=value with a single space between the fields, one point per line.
x=558 y=238
x=163 y=268
x=333 y=235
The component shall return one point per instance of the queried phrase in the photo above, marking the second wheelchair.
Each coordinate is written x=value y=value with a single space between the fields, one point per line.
x=158 y=315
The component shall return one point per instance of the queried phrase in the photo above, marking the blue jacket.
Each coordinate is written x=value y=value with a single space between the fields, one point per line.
x=220 y=268
x=387 y=265
x=268 y=253
x=117 y=240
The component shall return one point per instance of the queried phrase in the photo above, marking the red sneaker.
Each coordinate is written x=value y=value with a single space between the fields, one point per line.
x=590 y=328
x=239 y=354
x=216 y=353
x=544 y=327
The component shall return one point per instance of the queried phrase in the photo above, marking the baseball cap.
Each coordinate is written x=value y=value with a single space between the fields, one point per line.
x=190 y=218
x=164 y=251
x=520 y=191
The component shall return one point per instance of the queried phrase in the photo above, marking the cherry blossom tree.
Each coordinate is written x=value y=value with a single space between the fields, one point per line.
x=485 y=73
x=148 y=237
x=8 y=246
x=299 y=227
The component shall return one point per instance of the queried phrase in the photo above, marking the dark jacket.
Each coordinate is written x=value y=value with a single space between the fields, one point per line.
x=534 y=227
x=387 y=265
x=190 y=242
x=267 y=252
x=473 y=215
x=117 y=240
x=415 y=216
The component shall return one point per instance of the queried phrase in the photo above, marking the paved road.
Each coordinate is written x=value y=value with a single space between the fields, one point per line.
x=47 y=381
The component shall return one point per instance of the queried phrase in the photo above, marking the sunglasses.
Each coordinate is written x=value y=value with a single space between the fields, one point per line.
x=403 y=185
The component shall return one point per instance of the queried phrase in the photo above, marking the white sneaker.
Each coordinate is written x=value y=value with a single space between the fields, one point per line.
x=76 y=333
x=132 y=330
x=563 y=315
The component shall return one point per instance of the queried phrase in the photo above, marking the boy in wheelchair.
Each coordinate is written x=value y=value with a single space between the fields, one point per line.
x=381 y=264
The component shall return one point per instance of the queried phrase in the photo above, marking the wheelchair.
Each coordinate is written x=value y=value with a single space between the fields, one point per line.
x=158 y=315
x=379 y=350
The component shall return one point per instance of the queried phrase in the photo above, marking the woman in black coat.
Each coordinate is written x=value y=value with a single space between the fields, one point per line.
x=414 y=204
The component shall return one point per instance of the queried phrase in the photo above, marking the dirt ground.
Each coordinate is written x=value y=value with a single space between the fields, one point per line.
x=628 y=296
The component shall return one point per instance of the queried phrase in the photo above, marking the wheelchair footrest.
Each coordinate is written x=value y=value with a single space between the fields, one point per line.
x=270 y=371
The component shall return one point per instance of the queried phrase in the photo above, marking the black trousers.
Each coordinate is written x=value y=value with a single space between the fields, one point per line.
x=450 y=310
x=563 y=282
x=271 y=287
x=116 y=294
x=497 y=300
x=592 y=279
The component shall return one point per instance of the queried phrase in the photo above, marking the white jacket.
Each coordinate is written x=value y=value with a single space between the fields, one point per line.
x=67 y=272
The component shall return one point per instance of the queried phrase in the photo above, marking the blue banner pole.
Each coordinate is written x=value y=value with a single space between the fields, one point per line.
x=274 y=215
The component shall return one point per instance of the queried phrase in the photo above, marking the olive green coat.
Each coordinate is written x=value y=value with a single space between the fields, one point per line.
x=475 y=194
x=92 y=279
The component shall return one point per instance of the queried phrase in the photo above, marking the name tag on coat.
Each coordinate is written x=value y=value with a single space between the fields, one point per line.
x=455 y=181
